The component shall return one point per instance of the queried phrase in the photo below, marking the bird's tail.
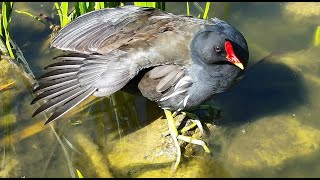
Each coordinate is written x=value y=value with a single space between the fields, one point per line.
x=74 y=78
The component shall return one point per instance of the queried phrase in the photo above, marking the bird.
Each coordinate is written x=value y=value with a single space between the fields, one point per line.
x=177 y=61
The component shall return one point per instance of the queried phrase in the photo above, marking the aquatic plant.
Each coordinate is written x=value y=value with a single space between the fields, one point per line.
x=200 y=9
x=317 y=37
x=80 y=8
x=62 y=10
x=5 y=20
x=158 y=5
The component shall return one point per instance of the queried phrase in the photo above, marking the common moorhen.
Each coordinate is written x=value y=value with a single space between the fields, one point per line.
x=187 y=60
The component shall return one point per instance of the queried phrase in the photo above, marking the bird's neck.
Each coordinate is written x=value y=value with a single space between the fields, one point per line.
x=218 y=77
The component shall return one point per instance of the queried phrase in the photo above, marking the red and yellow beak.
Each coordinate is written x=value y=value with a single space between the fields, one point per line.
x=231 y=56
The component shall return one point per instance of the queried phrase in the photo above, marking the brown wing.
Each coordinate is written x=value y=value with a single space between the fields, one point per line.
x=107 y=29
x=109 y=47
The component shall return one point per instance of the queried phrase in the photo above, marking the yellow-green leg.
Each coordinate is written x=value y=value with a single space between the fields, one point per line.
x=195 y=122
x=175 y=136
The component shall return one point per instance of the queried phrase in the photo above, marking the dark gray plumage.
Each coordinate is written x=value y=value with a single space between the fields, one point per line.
x=189 y=59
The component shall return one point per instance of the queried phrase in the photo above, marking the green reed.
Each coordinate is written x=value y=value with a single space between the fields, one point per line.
x=5 y=20
x=79 y=8
x=62 y=10
x=204 y=12
x=317 y=37
x=158 y=5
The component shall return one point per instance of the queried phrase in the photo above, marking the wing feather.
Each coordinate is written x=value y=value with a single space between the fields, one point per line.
x=107 y=48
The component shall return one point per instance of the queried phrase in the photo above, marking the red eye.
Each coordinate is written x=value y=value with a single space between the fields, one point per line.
x=217 y=49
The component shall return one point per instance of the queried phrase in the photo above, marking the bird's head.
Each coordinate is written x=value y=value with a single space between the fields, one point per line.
x=220 y=43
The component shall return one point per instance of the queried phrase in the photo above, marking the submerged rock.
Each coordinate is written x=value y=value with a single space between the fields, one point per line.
x=303 y=11
x=276 y=140
x=11 y=167
x=148 y=153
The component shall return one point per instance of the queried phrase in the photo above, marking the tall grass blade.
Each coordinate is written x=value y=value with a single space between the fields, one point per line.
x=64 y=10
x=158 y=5
x=31 y=15
x=145 y=4
x=82 y=7
x=59 y=12
x=188 y=9
x=76 y=9
x=79 y=174
x=113 y=4
x=5 y=23
x=317 y=37
x=1 y=26
x=99 y=5
x=161 y=5
x=90 y=6
x=206 y=10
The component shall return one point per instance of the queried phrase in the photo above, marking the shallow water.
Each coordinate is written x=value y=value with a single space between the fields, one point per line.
x=269 y=125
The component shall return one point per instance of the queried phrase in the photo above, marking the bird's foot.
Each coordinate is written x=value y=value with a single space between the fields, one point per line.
x=177 y=135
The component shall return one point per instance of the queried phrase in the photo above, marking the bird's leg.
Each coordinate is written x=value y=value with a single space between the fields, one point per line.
x=175 y=135
x=211 y=111
x=187 y=128
x=195 y=122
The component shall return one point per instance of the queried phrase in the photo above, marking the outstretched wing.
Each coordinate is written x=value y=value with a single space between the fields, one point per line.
x=103 y=30
x=75 y=77
x=108 y=48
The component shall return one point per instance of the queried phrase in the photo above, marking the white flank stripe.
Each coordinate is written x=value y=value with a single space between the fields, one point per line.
x=185 y=100
x=173 y=94
x=183 y=81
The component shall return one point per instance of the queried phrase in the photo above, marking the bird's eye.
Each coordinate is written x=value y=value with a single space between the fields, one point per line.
x=217 y=49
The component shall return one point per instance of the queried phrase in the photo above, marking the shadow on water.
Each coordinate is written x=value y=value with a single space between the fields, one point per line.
x=268 y=87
